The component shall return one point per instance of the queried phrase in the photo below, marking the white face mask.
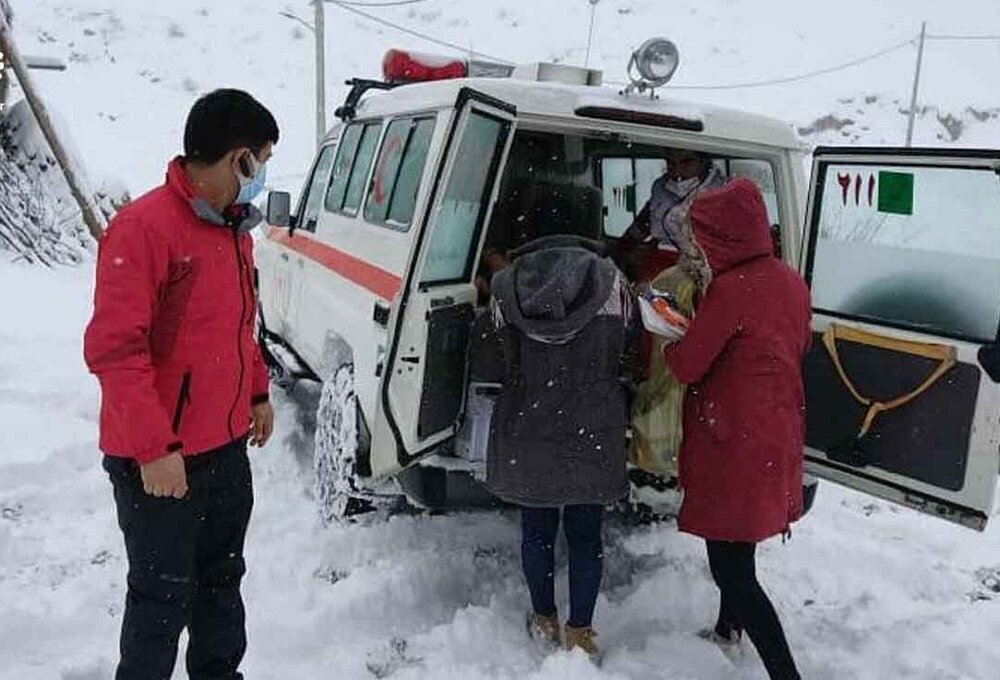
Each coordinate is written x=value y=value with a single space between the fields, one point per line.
x=683 y=187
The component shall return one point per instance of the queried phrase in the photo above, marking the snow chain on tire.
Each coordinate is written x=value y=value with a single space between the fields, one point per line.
x=336 y=445
x=338 y=494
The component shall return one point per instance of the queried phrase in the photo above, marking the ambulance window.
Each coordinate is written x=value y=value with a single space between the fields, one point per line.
x=647 y=171
x=459 y=218
x=392 y=195
x=914 y=247
x=316 y=189
x=348 y=148
x=411 y=173
x=626 y=184
x=350 y=170
x=760 y=173
x=362 y=165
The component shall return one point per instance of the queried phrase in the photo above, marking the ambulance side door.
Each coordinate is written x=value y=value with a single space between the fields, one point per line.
x=422 y=396
x=903 y=261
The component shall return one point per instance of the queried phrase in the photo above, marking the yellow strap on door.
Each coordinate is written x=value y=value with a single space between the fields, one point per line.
x=945 y=354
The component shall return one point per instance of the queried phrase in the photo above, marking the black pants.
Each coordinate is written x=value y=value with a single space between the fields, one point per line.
x=746 y=607
x=539 y=529
x=185 y=567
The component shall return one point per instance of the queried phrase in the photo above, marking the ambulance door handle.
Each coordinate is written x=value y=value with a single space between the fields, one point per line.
x=381 y=314
x=284 y=257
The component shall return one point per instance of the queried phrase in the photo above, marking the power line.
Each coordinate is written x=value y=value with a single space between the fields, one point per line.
x=804 y=76
x=733 y=86
x=965 y=38
x=297 y=19
x=417 y=34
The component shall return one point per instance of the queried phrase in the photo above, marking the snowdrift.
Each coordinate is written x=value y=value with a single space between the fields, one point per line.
x=39 y=221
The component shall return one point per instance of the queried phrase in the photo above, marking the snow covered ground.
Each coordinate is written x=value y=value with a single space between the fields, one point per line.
x=867 y=591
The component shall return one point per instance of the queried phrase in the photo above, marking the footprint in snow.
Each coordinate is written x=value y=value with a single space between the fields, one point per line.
x=988 y=585
x=390 y=658
x=331 y=575
x=98 y=670
x=12 y=513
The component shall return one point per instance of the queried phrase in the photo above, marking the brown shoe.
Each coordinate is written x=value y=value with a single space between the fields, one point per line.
x=544 y=629
x=583 y=639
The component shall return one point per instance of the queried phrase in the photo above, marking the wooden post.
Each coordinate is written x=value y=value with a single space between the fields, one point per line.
x=4 y=86
x=91 y=215
x=5 y=16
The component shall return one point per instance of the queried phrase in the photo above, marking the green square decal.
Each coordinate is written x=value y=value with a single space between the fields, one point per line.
x=895 y=192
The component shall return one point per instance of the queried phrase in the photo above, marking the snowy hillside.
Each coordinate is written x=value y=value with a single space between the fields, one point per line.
x=868 y=591
x=136 y=66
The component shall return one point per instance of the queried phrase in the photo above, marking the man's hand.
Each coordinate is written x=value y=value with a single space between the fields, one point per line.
x=263 y=424
x=165 y=477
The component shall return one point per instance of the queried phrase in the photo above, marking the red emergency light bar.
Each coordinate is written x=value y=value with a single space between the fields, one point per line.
x=399 y=66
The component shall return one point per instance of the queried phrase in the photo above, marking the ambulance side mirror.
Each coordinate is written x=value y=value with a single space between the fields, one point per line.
x=279 y=209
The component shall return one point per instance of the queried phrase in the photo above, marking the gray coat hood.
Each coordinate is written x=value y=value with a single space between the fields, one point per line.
x=555 y=287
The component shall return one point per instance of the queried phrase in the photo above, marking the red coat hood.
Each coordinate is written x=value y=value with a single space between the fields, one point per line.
x=731 y=225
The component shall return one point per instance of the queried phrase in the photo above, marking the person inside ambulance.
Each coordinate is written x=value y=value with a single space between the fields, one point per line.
x=647 y=247
x=494 y=259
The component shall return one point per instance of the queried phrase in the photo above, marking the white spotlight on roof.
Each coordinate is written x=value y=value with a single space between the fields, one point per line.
x=653 y=65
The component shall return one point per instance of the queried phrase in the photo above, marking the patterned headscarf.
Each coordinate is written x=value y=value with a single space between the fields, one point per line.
x=692 y=258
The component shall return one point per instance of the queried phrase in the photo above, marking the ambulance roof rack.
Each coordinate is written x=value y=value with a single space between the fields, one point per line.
x=359 y=86
x=404 y=66
x=653 y=64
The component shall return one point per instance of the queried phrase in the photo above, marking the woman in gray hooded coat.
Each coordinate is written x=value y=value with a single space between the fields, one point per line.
x=560 y=339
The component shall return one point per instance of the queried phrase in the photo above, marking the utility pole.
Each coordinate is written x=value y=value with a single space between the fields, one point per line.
x=320 y=31
x=916 y=86
x=590 y=33
x=91 y=215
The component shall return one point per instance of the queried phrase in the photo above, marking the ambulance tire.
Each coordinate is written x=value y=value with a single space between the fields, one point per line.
x=336 y=449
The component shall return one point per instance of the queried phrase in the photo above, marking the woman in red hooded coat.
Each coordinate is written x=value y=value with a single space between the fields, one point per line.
x=741 y=457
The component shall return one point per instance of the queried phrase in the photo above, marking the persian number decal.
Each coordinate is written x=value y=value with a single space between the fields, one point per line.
x=895 y=191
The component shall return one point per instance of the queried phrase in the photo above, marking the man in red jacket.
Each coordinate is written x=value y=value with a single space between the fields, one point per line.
x=184 y=389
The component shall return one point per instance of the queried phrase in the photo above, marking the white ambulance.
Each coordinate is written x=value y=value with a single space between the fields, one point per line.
x=369 y=285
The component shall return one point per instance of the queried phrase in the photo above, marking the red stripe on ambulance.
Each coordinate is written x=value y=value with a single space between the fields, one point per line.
x=378 y=281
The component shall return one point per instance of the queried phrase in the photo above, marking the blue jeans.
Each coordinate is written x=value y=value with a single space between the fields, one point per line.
x=582 y=525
